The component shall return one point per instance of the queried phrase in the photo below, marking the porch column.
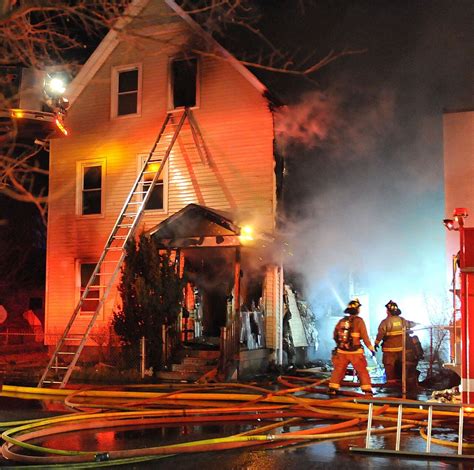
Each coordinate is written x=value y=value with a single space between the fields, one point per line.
x=236 y=312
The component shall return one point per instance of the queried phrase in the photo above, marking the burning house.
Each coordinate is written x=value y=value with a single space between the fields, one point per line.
x=171 y=136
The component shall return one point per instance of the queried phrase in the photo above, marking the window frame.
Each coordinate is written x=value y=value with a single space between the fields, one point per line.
x=78 y=287
x=171 y=107
x=141 y=158
x=80 y=184
x=116 y=70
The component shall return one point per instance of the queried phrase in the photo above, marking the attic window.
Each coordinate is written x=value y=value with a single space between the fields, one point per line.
x=126 y=86
x=184 y=82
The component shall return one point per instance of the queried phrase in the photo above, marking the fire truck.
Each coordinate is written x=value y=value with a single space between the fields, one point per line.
x=462 y=322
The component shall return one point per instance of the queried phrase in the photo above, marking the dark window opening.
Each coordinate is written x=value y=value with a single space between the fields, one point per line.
x=127 y=93
x=92 y=190
x=184 y=75
x=92 y=300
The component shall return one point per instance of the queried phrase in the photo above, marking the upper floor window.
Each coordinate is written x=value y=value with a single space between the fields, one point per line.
x=183 y=82
x=126 y=91
x=90 y=194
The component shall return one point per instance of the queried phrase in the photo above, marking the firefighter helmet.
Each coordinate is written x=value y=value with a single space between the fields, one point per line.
x=353 y=307
x=392 y=308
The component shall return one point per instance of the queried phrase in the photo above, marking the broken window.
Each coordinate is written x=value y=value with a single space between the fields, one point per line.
x=91 y=189
x=184 y=82
x=91 y=302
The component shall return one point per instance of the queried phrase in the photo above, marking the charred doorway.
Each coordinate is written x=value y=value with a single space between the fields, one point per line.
x=210 y=271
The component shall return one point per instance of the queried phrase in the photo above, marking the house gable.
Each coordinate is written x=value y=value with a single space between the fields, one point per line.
x=163 y=9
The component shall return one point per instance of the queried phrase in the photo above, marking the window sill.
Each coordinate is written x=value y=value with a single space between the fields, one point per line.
x=89 y=216
x=125 y=116
x=155 y=211
x=182 y=108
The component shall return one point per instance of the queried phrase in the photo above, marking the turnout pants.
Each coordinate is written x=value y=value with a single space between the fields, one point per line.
x=393 y=363
x=359 y=362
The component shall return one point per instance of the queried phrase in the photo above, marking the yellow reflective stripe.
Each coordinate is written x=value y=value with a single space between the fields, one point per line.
x=393 y=333
x=392 y=349
x=357 y=351
x=367 y=388
x=355 y=335
x=331 y=385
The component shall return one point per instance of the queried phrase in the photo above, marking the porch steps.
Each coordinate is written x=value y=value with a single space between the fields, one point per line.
x=192 y=365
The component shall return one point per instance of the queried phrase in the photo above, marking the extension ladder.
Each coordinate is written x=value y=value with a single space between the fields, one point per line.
x=70 y=345
x=429 y=429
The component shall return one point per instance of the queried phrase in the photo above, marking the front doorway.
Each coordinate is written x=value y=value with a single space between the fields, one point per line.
x=210 y=275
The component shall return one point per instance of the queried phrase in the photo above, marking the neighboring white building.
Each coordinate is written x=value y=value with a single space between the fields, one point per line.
x=458 y=135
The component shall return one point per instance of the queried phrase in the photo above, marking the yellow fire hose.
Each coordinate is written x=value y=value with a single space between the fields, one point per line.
x=194 y=403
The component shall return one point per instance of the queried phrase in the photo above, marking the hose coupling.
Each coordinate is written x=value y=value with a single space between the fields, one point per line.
x=102 y=457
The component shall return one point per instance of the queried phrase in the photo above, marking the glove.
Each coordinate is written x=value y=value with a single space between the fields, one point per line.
x=373 y=353
x=376 y=347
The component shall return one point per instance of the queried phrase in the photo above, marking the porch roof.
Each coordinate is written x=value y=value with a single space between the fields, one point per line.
x=195 y=222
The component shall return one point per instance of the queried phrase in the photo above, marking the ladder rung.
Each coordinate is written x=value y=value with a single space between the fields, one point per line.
x=60 y=367
x=125 y=225
x=131 y=214
x=120 y=237
x=114 y=248
x=73 y=339
x=68 y=353
x=139 y=192
x=95 y=286
x=51 y=382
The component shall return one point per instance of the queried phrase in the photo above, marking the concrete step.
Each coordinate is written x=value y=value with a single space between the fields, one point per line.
x=206 y=354
x=197 y=368
x=198 y=361
x=179 y=376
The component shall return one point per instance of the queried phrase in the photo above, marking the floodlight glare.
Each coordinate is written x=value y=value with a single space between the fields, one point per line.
x=55 y=86
x=246 y=234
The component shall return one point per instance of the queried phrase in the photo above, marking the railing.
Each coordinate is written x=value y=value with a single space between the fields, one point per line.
x=170 y=335
x=21 y=336
x=229 y=345
x=429 y=428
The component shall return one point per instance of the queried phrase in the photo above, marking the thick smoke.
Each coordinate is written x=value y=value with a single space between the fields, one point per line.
x=364 y=218
x=363 y=190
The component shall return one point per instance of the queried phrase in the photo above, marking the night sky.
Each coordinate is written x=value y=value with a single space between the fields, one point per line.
x=364 y=148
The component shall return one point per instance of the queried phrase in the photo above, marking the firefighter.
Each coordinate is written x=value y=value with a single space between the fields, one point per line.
x=390 y=333
x=348 y=333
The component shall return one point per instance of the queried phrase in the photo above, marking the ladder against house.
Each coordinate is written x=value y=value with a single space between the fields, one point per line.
x=427 y=434
x=70 y=345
